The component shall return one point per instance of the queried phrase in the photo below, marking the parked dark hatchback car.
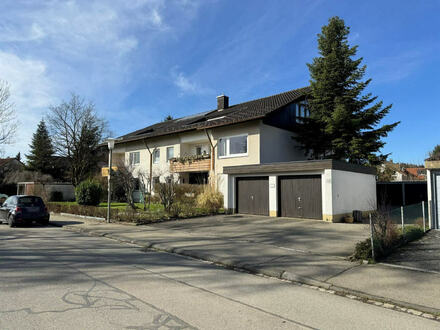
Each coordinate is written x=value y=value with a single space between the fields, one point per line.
x=23 y=209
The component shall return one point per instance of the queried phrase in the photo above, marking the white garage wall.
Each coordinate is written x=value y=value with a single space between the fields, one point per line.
x=352 y=191
x=225 y=187
x=327 y=195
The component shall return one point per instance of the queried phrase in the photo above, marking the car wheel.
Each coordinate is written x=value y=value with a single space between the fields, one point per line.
x=11 y=221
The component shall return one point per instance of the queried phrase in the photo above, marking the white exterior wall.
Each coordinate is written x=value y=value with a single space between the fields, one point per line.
x=277 y=145
x=225 y=186
x=430 y=203
x=352 y=191
x=327 y=194
x=273 y=195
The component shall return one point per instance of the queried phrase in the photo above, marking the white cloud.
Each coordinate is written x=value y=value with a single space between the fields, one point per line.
x=21 y=34
x=187 y=85
x=184 y=84
x=156 y=19
x=96 y=48
x=32 y=91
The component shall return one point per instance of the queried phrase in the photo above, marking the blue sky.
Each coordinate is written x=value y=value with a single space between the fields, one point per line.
x=140 y=60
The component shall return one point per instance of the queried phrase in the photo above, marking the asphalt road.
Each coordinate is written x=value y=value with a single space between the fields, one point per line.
x=54 y=279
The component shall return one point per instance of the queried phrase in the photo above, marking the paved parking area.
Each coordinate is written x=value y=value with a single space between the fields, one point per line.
x=329 y=239
x=421 y=254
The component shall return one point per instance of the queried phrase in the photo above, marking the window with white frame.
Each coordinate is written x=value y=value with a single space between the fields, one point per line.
x=170 y=153
x=156 y=156
x=135 y=158
x=232 y=146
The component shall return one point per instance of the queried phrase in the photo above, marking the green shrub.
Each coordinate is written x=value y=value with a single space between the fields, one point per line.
x=210 y=199
x=88 y=193
x=412 y=233
x=362 y=250
x=56 y=196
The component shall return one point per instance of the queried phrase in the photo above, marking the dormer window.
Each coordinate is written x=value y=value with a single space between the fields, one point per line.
x=302 y=111
x=216 y=118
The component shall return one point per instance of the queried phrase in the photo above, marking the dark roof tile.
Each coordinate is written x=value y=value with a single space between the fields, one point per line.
x=237 y=113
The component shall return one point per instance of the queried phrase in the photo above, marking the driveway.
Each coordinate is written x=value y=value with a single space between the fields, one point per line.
x=312 y=236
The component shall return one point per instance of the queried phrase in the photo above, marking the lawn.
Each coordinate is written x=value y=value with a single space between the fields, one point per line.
x=155 y=207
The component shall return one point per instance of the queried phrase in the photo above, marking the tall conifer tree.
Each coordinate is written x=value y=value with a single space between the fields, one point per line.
x=41 y=154
x=343 y=122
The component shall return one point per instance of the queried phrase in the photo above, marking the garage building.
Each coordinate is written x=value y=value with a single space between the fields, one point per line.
x=319 y=189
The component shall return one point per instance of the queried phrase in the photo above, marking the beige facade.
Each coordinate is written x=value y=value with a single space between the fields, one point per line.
x=252 y=131
x=278 y=146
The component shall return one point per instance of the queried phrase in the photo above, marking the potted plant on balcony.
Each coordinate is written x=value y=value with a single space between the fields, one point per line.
x=188 y=159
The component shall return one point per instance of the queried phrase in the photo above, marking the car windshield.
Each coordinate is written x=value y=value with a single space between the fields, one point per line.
x=30 y=201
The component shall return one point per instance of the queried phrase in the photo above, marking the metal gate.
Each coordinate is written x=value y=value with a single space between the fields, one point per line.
x=299 y=196
x=252 y=195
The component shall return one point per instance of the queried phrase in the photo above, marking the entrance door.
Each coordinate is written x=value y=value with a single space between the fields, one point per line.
x=252 y=195
x=299 y=196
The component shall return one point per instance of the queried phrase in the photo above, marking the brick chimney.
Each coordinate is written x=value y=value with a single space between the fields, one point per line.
x=222 y=102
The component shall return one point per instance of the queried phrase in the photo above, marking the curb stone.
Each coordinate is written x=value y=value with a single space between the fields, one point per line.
x=80 y=216
x=389 y=303
x=94 y=218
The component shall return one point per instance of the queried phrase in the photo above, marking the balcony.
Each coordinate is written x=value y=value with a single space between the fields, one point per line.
x=201 y=163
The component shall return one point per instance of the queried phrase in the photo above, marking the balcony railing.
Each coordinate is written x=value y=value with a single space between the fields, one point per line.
x=191 y=164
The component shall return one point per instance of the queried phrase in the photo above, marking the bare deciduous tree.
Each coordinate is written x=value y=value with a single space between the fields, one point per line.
x=144 y=182
x=8 y=119
x=124 y=177
x=76 y=132
x=167 y=192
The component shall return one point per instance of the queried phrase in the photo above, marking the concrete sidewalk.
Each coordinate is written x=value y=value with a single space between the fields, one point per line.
x=301 y=260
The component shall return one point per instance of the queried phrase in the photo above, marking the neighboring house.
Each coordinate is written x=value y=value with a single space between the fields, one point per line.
x=416 y=173
x=236 y=148
x=403 y=172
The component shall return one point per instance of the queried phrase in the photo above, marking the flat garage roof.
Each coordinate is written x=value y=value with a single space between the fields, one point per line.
x=299 y=166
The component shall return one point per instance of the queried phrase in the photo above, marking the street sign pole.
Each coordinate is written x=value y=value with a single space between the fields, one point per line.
x=109 y=191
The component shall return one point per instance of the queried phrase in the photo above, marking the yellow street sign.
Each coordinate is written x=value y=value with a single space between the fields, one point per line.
x=104 y=170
